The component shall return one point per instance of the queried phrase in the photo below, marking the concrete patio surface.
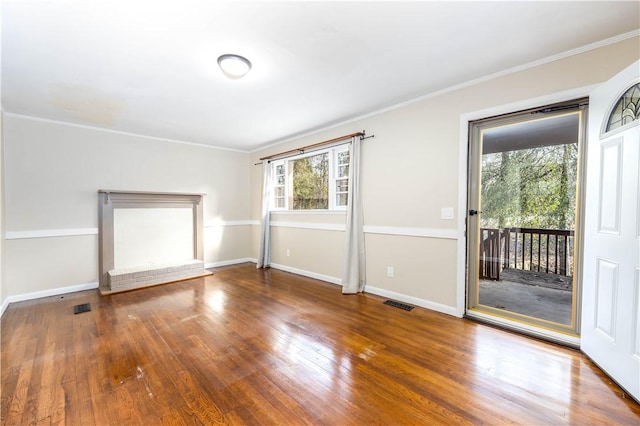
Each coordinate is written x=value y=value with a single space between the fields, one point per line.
x=543 y=296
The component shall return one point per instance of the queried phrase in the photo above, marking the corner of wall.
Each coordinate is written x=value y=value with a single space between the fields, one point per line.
x=3 y=293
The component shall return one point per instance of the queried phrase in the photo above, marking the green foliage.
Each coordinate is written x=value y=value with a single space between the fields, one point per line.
x=530 y=188
x=311 y=182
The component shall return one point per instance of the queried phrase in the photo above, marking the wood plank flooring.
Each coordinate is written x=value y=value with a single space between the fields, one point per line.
x=248 y=346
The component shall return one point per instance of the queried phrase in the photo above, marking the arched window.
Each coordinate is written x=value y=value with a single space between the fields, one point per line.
x=627 y=109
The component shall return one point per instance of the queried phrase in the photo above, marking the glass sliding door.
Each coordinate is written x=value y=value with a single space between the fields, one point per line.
x=523 y=198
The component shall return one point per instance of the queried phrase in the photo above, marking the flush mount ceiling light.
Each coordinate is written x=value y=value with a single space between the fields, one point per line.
x=234 y=66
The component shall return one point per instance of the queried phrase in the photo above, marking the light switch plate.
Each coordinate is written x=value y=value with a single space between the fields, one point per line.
x=446 y=213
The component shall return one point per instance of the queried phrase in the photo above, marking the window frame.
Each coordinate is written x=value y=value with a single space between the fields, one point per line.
x=334 y=178
x=332 y=155
x=274 y=184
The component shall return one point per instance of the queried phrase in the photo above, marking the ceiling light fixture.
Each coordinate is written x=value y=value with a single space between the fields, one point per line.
x=234 y=66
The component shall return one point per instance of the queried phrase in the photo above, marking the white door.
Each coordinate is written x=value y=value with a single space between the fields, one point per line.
x=611 y=263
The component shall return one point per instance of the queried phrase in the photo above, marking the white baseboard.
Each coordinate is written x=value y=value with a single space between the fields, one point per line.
x=438 y=307
x=449 y=310
x=5 y=305
x=47 y=293
x=90 y=286
x=321 y=277
x=333 y=280
x=229 y=262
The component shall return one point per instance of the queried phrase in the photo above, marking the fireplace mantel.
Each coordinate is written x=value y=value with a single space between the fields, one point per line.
x=184 y=208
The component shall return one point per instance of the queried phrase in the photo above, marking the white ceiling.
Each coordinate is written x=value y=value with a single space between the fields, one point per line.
x=150 y=67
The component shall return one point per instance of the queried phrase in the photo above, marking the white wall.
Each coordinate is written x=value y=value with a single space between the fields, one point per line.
x=54 y=170
x=3 y=292
x=411 y=169
x=3 y=281
x=143 y=236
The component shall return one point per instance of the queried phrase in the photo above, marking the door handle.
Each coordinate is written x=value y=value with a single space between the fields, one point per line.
x=473 y=212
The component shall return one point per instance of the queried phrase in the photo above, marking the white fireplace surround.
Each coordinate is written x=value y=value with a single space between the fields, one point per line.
x=148 y=238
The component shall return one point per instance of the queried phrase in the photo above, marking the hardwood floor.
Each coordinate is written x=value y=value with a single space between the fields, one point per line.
x=248 y=346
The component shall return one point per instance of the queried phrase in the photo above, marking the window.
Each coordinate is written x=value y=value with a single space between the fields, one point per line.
x=278 y=185
x=626 y=110
x=315 y=181
x=342 y=177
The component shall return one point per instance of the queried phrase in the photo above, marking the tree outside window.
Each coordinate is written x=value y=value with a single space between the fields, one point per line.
x=318 y=181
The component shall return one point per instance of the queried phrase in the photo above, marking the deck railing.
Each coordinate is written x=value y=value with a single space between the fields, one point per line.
x=528 y=249
x=491 y=241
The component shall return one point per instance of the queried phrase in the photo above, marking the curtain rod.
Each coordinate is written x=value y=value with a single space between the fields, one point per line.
x=306 y=148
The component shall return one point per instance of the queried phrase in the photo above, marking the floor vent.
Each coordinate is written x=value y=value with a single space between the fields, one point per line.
x=78 y=309
x=398 y=305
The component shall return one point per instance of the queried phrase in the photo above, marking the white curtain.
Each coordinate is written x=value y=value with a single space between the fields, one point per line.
x=353 y=268
x=264 y=256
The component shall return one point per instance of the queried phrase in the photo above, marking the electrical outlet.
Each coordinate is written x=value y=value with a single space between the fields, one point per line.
x=390 y=271
x=288 y=252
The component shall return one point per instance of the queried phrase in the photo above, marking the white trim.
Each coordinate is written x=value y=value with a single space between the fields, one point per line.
x=555 y=336
x=551 y=98
x=451 y=234
x=48 y=233
x=232 y=223
x=47 y=293
x=76 y=232
x=463 y=157
x=321 y=277
x=438 y=307
x=310 y=225
x=461 y=249
x=119 y=132
x=229 y=262
x=513 y=70
x=4 y=306
x=310 y=212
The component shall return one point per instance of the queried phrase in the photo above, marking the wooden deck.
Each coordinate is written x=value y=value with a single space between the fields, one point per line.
x=248 y=346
